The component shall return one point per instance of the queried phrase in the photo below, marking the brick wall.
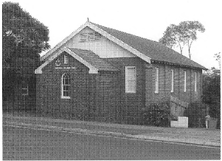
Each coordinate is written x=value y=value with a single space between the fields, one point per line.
x=165 y=83
x=49 y=88
x=93 y=96
x=102 y=96
x=107 y=97
x=131 y=103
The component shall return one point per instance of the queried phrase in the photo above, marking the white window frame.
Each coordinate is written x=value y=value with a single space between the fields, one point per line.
x=66 y=59
x=156 y=80
x=195 y=81
x=172 y=80
x=185 y=81
x=132 y=79
x=62 y=87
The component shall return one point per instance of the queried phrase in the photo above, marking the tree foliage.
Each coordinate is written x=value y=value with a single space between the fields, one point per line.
x=211 y=92
x=182 y=35
x=218 y=58
x=157 y=114
x=173 y=37
x=196 y=113
x=23 y=38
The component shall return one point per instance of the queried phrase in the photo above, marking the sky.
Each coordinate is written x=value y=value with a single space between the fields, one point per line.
x=145 y=18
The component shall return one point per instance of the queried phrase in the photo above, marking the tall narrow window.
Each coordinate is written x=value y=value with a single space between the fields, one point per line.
x=185 y=81
x=172 y=80
x=195 y=81
x=130 y=79
x=157 y=80
x=65 y=86
x=66 y=60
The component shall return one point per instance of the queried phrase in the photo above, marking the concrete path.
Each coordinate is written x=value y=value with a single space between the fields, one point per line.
x=198 y=136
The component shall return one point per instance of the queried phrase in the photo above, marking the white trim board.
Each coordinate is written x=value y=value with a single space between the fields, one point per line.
x=102 y=32
x=92 y=69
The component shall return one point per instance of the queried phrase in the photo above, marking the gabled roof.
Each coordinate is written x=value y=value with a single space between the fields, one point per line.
x=147 y=50
x=86 y=57
x=155 y=50
x=102 y=32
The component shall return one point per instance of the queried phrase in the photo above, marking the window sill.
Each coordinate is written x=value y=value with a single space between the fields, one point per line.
x=130 y=92
x=65 y=97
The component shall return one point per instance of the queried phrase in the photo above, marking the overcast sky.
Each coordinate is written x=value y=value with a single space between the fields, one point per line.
x=144 y=18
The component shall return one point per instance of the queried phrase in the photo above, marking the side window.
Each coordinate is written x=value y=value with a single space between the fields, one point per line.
x=185 y=80
x=172 y=80
x=156 y=80
x=195 y=81
x=130 y=79
x=66 y=86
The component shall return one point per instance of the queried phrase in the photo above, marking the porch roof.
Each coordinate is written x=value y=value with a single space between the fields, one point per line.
x=94 y=59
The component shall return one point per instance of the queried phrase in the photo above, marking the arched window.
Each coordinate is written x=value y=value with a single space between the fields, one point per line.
x=66 y=86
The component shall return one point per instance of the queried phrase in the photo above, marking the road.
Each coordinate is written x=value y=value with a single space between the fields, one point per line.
x=21 y=143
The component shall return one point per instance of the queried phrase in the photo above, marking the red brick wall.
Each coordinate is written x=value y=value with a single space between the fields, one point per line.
x=103 y=96
x=131 y=103
x=149 y=84
x=95 y=96
x=49 y=88
x=165 y=83
x=107 y=97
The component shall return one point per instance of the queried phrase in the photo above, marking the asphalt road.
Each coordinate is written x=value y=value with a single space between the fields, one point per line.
x=28 y=144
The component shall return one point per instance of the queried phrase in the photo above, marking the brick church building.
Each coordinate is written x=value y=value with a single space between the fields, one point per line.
x=110 y=76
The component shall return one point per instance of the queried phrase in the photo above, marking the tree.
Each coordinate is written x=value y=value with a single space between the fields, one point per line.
x=189 y=30
x=23 y=38
x=218 y=58
x=183 y=34
x=172 y=37
x=211 y=92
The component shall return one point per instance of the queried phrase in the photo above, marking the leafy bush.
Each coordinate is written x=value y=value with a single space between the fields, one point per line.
x=196 y=113
x=157 y=114
x=211 y=95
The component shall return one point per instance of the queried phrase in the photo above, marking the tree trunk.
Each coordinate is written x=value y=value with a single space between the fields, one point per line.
x=189 y=52
x=189 y=47
x=181 y=49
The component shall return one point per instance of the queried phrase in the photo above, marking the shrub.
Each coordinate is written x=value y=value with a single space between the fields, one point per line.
x=157 y=114
x=211 y=95
x=196 y=113
x=214 y=111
